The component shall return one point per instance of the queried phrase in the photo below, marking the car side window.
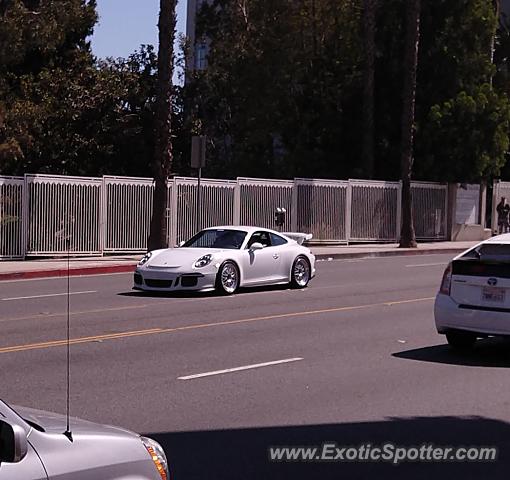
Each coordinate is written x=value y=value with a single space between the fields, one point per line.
x=276 y=240
x=260 y=237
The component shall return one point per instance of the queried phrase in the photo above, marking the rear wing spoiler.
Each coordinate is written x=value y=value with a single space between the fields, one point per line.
x=298 y=237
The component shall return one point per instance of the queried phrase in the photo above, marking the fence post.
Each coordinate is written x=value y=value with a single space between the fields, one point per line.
x=348 y=212
x=103 y=212
x=171 y=213
x=294 y=208
x=25 y=212
x=237 y=203
x=399 y=211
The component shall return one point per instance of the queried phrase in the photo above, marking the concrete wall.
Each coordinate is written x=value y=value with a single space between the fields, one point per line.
x=461 y=226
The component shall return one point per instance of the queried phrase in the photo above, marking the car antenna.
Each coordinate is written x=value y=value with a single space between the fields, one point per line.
x=68 y=432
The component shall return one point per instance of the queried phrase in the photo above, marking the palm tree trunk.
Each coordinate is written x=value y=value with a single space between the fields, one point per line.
x=367 y=154
x=408 y=236
x=162 y=160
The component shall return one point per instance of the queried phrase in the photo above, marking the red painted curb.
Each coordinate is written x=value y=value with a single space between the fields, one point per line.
x=62 y=272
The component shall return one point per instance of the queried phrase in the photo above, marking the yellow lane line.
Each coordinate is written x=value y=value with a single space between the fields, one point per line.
x=84 y=312
x=156 y=331
x=75 y=341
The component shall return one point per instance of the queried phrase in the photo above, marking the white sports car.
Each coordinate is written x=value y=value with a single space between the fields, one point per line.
x=226 y=258
x=474 y=297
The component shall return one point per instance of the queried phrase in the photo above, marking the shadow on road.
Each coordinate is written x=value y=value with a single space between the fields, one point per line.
x=243 y=454
x=177 y=294
x=191 y=294
x=491 y=352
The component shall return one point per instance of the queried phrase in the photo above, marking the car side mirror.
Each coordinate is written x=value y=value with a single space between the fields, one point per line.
x=180 y=244
x=256 y=246
x=13 y=443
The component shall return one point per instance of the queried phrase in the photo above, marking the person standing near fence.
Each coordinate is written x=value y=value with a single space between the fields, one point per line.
x=503 y=210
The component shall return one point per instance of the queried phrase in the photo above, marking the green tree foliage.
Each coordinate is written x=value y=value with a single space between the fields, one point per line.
x=277 y=96
x=61 y=110
x=39 y=41
x=86 y=121
x=283 y=91
x=502 y=55
x=463 y=121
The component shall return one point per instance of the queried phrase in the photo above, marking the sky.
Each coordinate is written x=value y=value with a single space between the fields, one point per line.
x=126 y=24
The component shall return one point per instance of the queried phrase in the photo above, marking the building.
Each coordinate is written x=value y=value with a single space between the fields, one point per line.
x=199 y=47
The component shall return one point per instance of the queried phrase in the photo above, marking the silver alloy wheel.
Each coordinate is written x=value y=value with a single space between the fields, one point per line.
x=229 y=278
x=301 y=272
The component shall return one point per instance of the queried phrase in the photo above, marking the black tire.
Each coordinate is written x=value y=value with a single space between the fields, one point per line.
x=462 y=341
x=228 y=278
x=301 y=272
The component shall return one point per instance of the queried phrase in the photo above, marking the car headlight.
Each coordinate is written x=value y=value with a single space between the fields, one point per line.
x=158 y=456
x=203 y=261
x=145 y=259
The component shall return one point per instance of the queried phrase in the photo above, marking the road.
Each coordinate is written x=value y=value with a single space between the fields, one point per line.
x=354 y=358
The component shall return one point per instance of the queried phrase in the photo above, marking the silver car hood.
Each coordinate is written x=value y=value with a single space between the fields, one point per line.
x=56 y=423
x=181 y=257
x=95 y=452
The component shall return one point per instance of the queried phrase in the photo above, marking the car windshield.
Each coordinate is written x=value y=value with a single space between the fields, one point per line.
x=218 y=238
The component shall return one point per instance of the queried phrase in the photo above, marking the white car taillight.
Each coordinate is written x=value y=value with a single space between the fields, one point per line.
x=446 y=282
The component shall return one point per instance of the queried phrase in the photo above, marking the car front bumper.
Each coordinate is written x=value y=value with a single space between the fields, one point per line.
x=156 y=280
x=449 y=315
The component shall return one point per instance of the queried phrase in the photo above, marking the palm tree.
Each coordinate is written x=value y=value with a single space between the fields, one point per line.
x=408 y=236
x=367 y=154
x=162 y=159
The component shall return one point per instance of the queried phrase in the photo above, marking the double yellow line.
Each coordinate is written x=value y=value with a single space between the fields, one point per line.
x=157 y=331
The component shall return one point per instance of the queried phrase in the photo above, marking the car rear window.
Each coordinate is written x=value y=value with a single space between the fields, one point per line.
x=487 y=260
x=498 y=252
x=276 y=240
x=476 y=268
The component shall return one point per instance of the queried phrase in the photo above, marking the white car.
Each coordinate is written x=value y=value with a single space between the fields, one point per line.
x=226 y=258
x=474 y=298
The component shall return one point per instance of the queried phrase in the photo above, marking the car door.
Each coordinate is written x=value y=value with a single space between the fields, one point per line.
x=264 y=265
x=286 y=255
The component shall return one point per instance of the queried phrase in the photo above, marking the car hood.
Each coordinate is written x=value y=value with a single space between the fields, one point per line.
x=56 y=423
x=182 y=257
x=95 y=451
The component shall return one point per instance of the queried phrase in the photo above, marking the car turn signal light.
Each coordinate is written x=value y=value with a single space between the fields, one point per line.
x=158 y=456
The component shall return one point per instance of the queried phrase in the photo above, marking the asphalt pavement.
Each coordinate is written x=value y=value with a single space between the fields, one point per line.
x=352 y=359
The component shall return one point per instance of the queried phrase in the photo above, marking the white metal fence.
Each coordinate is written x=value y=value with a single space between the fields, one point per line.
x=127 y=207
x=375 y=211
x=258 y=199
x=47 y=215
x=430 y=204
x=322 y=207
x=216 y=206
x=63 y=213
x=11 y=214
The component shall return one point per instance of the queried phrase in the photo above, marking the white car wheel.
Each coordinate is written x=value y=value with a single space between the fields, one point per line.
x=228 y=278
x=300 y=275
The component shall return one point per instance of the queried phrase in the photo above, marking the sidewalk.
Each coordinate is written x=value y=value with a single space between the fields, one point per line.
x=25 y=269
